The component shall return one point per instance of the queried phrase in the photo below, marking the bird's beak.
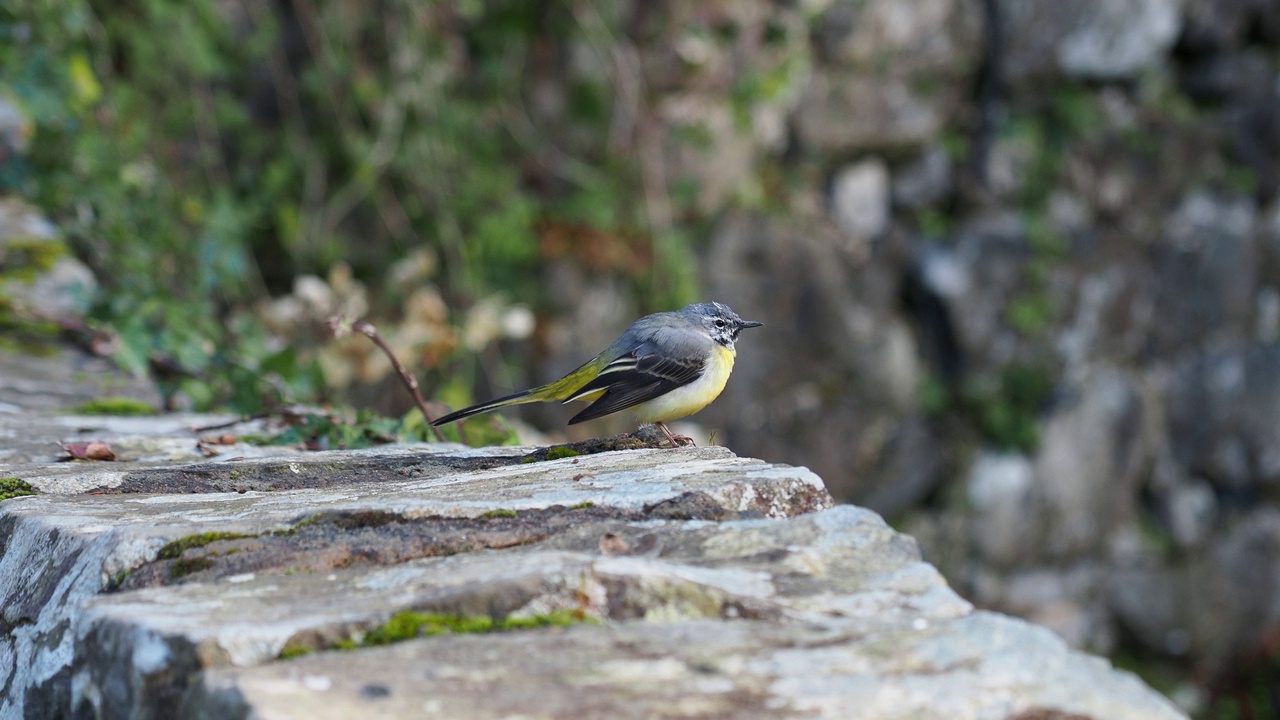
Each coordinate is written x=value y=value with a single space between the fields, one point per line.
x=749 y=323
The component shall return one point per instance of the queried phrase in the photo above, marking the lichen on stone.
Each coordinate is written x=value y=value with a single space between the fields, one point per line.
x=12 y=487
x=560 y=452
x=183 y=567
x=176 y=548
x=122 y=406
x=409 y=624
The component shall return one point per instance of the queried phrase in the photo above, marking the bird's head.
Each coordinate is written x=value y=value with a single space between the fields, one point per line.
x=719 y=321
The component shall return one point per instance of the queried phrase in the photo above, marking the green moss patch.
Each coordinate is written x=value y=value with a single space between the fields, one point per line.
x=23 y=258
x=115 y=406
x=183 y=567
x=555 y=452
x=409 y=624
x=175 y=549
x=295 y=650
x=12 y=487
x=495 y=514
x=560 y=452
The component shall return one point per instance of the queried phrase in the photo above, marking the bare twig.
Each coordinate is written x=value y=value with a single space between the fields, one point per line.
x=367 y=329
x=233 y=423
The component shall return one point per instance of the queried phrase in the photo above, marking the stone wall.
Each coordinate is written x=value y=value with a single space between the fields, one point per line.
x=181 y=581
x=1026 y=302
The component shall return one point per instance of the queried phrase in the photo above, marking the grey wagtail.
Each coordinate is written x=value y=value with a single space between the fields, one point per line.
x=663 y=367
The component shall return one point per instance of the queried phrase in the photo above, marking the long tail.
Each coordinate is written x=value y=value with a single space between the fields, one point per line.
x=563 y=389
x=519 y=398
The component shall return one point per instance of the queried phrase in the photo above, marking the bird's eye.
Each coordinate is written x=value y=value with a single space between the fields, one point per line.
x=718 y=323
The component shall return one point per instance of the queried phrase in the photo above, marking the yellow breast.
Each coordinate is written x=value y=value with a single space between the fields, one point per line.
x=689 y=399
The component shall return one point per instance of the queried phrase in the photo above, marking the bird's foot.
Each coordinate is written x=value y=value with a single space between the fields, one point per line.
x=676 y=440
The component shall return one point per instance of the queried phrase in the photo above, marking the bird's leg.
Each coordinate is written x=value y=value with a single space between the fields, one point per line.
x=676 y=440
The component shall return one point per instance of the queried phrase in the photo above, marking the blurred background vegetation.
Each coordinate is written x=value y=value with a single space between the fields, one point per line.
x=1018 y=260
x=204 y=157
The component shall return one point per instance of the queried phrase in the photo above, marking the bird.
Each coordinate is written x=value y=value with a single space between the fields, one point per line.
x=663 y=367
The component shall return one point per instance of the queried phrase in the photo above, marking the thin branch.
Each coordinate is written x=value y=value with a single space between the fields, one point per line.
x=233 y=423
x=410 y=382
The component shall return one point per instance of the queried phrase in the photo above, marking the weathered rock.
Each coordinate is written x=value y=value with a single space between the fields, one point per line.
x=860 y=199
x=864 y=367
x=54 y=284
x=1087 y=496
x=924 y=181
x=793 y=616
x=837 y=668
x=57 y=380
x=1216 y=25
x=912 y=36
x=61 y=550
x=978 y=277
x=15 y=128
x=893 y=73
x=844 y=110
x=1207 y=269
x=1221 y=409
x=699 y=581
x=1213 y=608
x=758 y=48
x=1001 y=490
x=1099 y=39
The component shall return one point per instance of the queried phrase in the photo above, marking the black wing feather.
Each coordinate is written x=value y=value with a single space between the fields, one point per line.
x=652 y=376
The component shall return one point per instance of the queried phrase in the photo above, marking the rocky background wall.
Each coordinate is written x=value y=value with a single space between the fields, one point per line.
x=1019 y=266
x=1018 y=263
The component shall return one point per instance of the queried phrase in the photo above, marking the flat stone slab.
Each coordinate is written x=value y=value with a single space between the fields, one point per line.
x=979 y=666
x=375 y=507
x=696 y=584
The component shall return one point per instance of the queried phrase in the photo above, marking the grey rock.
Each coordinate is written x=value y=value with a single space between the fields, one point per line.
x=1193 y=510
x=987 y=260
x=1086 y=495
x=66 y=288
x=892 y=72
x=61 y=550
x=1268 y=314
x=913 y=35
x=1028 y=538
x=844 y=111
x=1211 y=607
x=923 y=182
x=57 y=381
x=715 y=585
x=1001 y=490
x=860 y=198
x=1221 y=408
x=20 y=220
x=1215 y=25
x=1094 y=39
x=792 y=615
x=944 y=272
x=1206 y=271
x=826 y=669
x=1223 y=77
x=15 y=128
x=1066 y=600
x=839 y=312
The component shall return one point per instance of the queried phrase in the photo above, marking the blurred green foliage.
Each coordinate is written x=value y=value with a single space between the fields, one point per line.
x=201 y=155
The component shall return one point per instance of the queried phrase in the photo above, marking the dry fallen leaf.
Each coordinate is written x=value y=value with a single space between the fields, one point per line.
x=91 y=450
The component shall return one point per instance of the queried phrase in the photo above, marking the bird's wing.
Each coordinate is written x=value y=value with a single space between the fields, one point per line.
x=636 y=377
